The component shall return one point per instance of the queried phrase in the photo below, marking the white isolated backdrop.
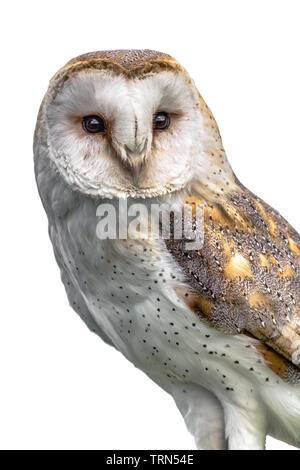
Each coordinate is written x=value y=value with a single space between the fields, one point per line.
x=61 y=387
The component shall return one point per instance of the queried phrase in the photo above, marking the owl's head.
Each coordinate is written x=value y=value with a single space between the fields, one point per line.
x=131 y=123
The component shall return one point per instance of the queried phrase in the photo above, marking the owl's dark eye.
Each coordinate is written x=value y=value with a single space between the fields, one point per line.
x=93 y=124
x=161 y=121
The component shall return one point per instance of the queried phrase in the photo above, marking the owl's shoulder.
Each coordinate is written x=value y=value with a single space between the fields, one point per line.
x=246 y=276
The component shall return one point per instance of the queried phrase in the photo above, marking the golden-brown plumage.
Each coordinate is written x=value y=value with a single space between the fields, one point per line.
x=247 y=275
x=216 y=350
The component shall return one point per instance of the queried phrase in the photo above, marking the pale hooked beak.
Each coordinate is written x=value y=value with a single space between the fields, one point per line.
x=135 y=164
x=135 y=161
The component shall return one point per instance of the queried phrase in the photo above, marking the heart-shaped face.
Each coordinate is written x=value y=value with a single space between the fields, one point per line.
x=119 y=127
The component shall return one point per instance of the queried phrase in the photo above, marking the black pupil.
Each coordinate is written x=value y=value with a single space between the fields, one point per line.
x=161 y=121
x=93 y=124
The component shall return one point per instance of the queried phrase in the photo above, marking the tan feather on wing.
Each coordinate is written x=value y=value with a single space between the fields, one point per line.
x=247 y=274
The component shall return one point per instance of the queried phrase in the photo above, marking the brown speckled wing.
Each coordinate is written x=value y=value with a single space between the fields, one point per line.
x=246 y=277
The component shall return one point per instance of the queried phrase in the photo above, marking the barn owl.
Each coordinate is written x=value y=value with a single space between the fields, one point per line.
x=218 y=327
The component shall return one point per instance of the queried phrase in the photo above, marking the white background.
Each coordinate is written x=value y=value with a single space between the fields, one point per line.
x=61 y=387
